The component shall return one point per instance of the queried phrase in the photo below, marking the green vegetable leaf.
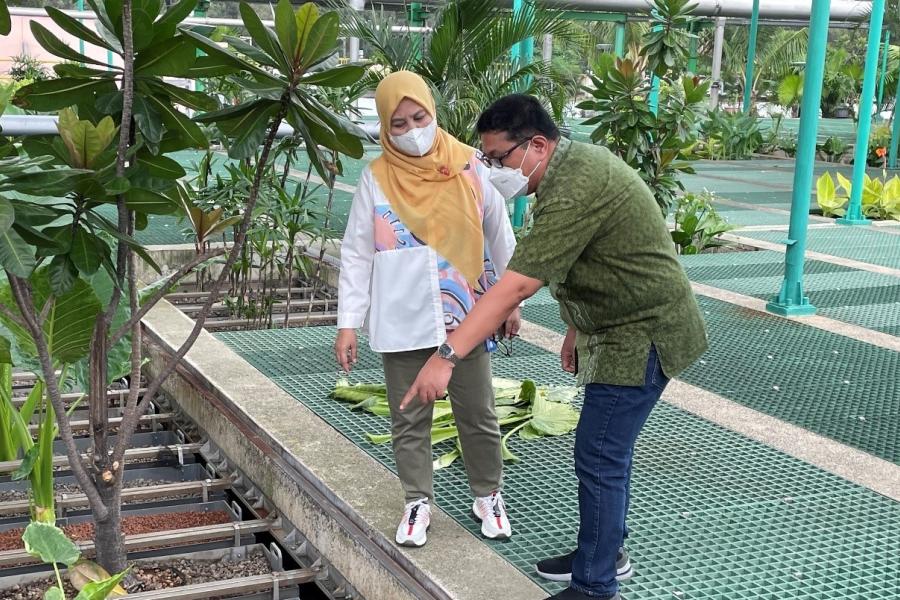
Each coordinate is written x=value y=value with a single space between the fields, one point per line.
x=50 y=544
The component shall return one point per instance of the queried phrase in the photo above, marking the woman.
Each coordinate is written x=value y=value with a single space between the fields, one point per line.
x=426 y=236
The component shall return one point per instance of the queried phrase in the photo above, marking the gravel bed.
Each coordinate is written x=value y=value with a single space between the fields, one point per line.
x=11 y=539
x=161 y=574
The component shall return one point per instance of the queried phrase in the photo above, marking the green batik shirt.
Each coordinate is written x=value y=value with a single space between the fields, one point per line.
x=601 y=243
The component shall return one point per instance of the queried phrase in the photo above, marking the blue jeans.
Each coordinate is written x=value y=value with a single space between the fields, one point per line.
x=610 y=422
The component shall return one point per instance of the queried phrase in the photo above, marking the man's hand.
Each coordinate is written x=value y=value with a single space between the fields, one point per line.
x=567 y=353
x=431 y=384
x=512 y=324
x=345 y=349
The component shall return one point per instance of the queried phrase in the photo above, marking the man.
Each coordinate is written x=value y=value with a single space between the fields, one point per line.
x=602 y=245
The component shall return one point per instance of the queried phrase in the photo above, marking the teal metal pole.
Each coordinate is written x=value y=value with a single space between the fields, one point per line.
x=80 y=6
x=854 y=214
x=751 y=58
x=884 y=65
x=692 y=56
x=653 y=100
x=523 y=52
x=791 y=301
x=895 y=131
x=620 y=40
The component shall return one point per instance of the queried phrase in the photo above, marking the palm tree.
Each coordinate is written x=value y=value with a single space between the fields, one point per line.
x=775 y=57
x=465 y=58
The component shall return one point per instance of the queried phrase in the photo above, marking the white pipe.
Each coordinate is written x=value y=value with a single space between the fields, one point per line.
x=29 y=125
x=841 y=10
x=16 y=125
x=547 y=50
x=90 y=16
x=353 y=43
x=718 y=47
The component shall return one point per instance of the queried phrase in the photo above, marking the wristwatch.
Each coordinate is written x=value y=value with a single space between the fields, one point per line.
x=447 y=352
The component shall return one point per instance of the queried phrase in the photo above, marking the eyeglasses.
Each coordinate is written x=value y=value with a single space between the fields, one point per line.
x=505 y=347
x=497 y=163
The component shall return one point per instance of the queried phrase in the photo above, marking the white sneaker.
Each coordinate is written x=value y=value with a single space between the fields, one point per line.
x=491 y=511
x=415 y=523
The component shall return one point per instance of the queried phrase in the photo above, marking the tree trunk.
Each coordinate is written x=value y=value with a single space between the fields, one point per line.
x=108 y=538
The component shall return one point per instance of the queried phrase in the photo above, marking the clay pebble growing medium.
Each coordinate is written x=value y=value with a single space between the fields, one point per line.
x=162 y=574
x=66 y=488
x=11 y=539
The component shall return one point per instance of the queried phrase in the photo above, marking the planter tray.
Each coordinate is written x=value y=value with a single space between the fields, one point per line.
x=127 y=511
x=148 y=542
x=185 y=452
x=286 y=579
x=206 y=489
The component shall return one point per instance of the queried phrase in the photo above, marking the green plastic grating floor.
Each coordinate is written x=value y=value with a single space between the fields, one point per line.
x=863 y=298
x=835 y=386
x=714 y=515
x=865 y=244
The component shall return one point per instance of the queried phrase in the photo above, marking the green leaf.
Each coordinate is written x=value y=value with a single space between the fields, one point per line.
x=5 y=20
x=16 y=256
x=100 y=590
x=171 y=57
x=116 y=186
x=342 y=76
x=85 y=253
x=54 y=593
x=447 y=459
x=167 y=25
x=57 y=47
x=286 y=26
x=50 y=544
x=55 y=94
x=178 y=123
x=320 y=39
x=160 y=166
x=227 y=58
x=84 y=140
x=143 y=14
x=148 y=201
x=188 y=98
x=148 y=120
x=27 y=465
x=62 y=274
x=209 y=66
x=75 y=27
x=7 y=214
x=69 y=323
x=553 y=418
x=264 y=38
x=249 y=130
x=101 y=223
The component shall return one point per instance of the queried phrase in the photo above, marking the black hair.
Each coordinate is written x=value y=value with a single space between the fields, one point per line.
x=519 y=116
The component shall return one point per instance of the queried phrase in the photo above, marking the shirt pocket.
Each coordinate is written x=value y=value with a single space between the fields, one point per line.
x=405 y=313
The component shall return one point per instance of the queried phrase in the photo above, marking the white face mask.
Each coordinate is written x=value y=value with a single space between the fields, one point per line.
x=512 y=183
x=416 y=142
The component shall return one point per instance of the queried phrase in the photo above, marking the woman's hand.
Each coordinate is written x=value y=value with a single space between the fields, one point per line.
x=512 y=324
x=345 y=348
x=567 y=354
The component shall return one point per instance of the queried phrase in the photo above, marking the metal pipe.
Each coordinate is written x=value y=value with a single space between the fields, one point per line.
x=353 y=43
x=895 y=130
x=90 y=16
x=841 y=10
x=854 y=214
x=884 y=65
x=718 y=47
x=791 y=299
x=547 y=50
x=751 y=58
x=692 y=53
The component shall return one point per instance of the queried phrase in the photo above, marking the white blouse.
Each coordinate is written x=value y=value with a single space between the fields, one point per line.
x=401 y=292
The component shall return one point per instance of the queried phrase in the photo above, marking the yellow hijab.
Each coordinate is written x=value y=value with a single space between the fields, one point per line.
x=429 y=193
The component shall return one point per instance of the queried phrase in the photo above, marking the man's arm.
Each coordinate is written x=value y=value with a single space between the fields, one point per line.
x=489 y=312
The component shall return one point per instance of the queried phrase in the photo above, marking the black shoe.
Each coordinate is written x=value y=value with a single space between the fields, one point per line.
x=570 y=594
x=560 y=568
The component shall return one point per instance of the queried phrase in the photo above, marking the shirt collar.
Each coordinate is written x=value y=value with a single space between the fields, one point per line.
x=559 y=153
